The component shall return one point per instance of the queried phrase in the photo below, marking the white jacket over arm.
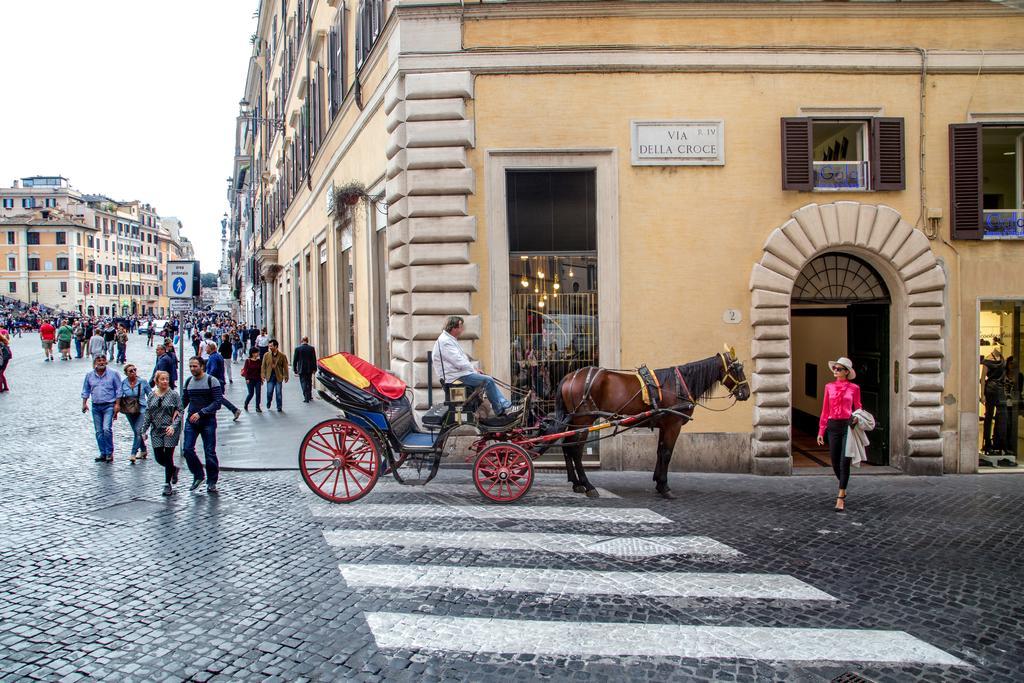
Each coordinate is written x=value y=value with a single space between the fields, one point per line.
x=450 y=361
x=857 y=442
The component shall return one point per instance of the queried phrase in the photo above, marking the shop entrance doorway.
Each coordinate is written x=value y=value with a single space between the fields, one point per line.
x=840 y=307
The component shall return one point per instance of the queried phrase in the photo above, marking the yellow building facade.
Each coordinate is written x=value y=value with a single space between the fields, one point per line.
x=620 y=183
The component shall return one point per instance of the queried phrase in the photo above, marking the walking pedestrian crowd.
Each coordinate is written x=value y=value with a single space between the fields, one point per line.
x=162 y=411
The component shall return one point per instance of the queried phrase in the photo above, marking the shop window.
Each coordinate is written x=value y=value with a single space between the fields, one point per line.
x=1000 y=431
x=553 y=277
x=986 y=198
x=843 y=155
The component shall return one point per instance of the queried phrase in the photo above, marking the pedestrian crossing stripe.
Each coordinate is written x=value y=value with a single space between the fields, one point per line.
x=560 y=638
x=725 y=586
x=533 y=513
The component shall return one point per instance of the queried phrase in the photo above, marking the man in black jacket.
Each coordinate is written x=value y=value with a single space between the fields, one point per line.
x=166 y=362
x=304 y=365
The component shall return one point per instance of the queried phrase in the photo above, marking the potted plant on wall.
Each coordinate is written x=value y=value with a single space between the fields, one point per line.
x=346 y=198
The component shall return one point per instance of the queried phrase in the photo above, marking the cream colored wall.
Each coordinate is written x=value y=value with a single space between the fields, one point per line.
x=815 y=340
x=690 y=235
x=950 y=32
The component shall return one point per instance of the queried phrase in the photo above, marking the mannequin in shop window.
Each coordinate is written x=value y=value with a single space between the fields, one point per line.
x=993 y=392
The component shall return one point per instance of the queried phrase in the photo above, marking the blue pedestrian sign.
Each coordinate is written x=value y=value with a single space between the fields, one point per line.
x=180 y=279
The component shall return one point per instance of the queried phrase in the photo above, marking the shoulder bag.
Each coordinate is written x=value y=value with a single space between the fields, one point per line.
x=130 y=405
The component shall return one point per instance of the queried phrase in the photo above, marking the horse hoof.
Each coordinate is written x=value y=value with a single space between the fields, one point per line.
x=667 y=494
x=593 y=493
x=579 y=488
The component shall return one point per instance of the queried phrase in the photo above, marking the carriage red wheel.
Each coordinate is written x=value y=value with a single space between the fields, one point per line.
x=339 y=461
x=503 y=472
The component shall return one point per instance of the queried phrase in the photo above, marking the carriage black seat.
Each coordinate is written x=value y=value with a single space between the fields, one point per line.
x=434 y=417
x=400 y=418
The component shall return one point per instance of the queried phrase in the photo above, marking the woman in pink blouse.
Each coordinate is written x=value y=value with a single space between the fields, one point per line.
x=842 y=397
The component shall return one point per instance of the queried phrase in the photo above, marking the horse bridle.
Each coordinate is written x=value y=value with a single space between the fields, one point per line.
x=728 y=368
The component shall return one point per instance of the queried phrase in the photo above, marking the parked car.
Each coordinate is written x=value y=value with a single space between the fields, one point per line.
x=158 y=327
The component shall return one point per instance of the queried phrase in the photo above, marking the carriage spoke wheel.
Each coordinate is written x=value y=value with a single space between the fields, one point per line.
x=503 y=472
x=339 y=461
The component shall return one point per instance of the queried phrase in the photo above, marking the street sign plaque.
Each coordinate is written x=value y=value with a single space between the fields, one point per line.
x=181 y=305
x=179 y=279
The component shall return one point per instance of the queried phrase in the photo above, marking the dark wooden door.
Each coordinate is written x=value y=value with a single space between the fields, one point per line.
x=867 y=343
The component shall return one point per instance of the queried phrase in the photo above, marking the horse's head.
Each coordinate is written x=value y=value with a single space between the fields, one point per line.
x=732 y=375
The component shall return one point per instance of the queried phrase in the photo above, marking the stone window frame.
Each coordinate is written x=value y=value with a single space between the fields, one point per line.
x=605 y=163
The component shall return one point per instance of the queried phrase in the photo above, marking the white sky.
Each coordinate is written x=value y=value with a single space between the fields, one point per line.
x=134 y=99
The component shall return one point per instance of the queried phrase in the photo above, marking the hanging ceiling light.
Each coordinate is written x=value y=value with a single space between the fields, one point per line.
x=541 y=304
x=571 y=274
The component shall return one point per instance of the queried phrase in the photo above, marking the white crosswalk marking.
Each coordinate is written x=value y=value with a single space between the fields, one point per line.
x=645 y=546
x=469 y=490
x=468 y=634
x=583 y=582
x=539 y=513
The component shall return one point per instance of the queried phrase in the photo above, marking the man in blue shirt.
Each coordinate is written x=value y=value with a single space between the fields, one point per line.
x=201 y=395
x=215 y=367
x=103 y=386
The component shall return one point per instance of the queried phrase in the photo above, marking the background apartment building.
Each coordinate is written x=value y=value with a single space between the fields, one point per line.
x=113 y=265
x=615 y=183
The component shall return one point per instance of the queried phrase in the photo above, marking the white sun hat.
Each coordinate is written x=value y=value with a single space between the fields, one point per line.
x=844 y=363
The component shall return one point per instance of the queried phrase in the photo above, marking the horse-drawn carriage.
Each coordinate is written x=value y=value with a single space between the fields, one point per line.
x=342 y=458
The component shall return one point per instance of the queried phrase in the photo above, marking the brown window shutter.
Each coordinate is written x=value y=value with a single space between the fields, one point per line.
x=888 y=151
x=965 y=217
x=797 y=153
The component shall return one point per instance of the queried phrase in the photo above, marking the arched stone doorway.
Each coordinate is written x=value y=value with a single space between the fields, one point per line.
x=902 y=257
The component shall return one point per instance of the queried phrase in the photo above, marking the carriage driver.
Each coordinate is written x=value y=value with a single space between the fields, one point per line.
x=453 y=364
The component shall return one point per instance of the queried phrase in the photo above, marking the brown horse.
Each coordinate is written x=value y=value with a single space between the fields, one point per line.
x=592 y=393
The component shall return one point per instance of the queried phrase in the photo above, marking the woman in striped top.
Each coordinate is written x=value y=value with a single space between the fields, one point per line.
x=163 y=419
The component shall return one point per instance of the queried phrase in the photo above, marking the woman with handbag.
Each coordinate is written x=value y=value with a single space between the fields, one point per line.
x=163 y=419
x=134 y=398
x=842 y=398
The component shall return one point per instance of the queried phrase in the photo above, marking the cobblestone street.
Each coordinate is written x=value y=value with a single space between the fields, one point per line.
x=743 y=578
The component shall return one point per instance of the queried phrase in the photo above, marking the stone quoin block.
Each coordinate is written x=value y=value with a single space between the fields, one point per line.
x=924 y=431
x=769 y=383
x=769 y=316
x=925 y=348
x=428 y=207
x=422 y=158
x=866 y=215
x=924 y=366
x=396 y=188
x=930 y=280
x=432 y=230
x=926 y=315
x=770 y=450
x=761 y=298
x=830 y=221
x=771 y=433
x=771 y=417
x=931 y=382
x=451 y=109
x=773 y=262
x=441 y=181
x=429 y=254
x=446 y=278
x=847 y=213
x=436 y=134
x=772 y=399
x=394 y=94
x=920 y=415
x=925 y=331
x=772 y=366
x=925 y=299
x=915 y=245
x=428 y=327
x=434 y=303
x=924 y=398
x=897 y=238
x=924 y=447
x=886 y=219
x=439 y=85
x=769 y=332
x=809 y=218
x=780 y=246
x=919 y=264
x=419 y=350
x=769 y=349
x=762 y=278
x=795 y=232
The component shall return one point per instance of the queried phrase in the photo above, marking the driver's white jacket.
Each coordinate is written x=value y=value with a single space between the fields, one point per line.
x=450 y=361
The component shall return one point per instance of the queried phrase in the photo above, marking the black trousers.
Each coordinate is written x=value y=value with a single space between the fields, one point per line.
x=995 y=399
x=165 y=458
x=835 y=433
x=306 y=382
x=254 y=389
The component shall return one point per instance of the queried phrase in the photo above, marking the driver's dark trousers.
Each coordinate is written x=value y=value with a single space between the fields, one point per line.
x=835 y=434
